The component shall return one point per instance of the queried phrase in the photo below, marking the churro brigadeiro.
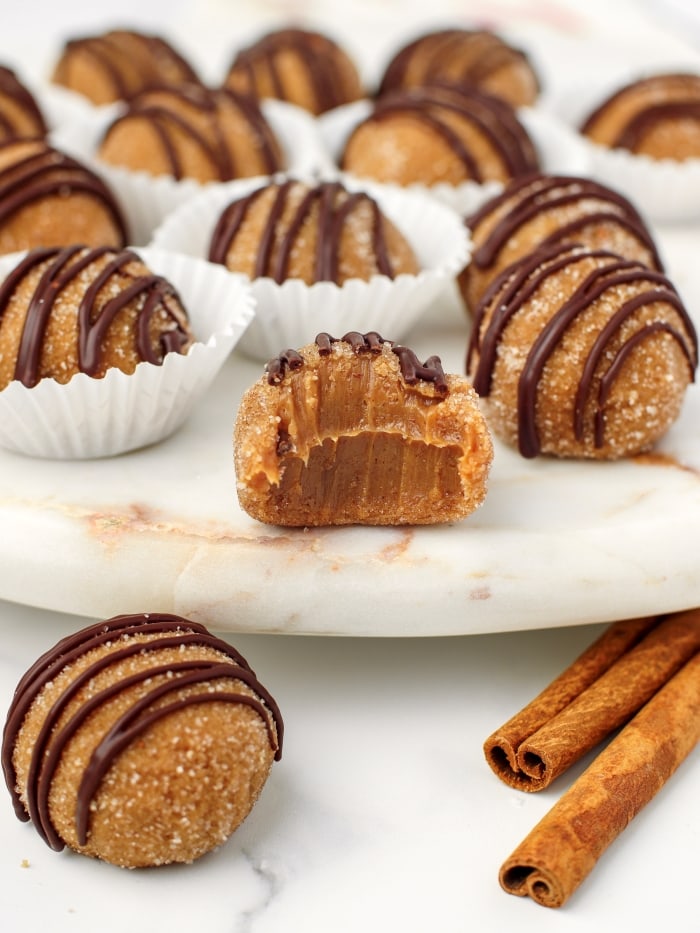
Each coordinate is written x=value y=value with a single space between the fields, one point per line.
x=358 y=431
x=142 y=740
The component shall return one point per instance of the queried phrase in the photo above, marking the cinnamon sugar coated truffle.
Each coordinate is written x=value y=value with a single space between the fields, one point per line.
x=579 y=353
x=142 y=740
x=48 y=198
x=294 y=230
x=358 y=431
x=76 y=310
x=193 y=132
x=541 y=210
x=299 y=66
x=466 y=57
x=20 y=114
x=429 y=135
x=117 y=64
x=658 y=116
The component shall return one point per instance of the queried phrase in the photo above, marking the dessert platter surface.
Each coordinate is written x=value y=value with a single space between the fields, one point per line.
x=161 y=526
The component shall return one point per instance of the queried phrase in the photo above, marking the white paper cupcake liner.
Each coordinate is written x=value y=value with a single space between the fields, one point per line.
x=90 y=417
x=663 y=190
x=292 y=313
x=556 y=144
x=147 y=199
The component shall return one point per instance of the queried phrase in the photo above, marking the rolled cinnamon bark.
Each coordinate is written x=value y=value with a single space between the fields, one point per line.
x=597 y=694
x=556 y=856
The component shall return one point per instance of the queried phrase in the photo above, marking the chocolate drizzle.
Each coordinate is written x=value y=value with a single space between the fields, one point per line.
x=517 y=284
x=169 y=631
x=437 y=105
x=412 y=370
x=45 y=172
x=11 y=89
x=63 y=266
x=537 y=194
x=334 y=206
x=163 y=107
x=319 y=58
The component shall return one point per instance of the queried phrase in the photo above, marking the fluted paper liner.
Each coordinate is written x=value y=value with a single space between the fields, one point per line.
x=564 y=847
x=90 y=417
x=290 y=314
x=597 y=694
x=147 y=199
x=558 y=148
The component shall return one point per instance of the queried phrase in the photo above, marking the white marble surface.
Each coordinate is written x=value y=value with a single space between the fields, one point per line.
x=382 y=814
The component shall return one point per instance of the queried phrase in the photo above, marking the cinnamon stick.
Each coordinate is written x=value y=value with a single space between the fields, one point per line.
x=561 y=850
x=597 y=694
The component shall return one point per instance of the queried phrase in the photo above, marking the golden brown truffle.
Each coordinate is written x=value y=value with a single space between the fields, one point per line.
x=77 y=310
x=142 y=740
x=429 y=135
x=466 y=57
x=293 y=230
x=20 y=114
x=541 y=210
x=193 y=132
x=120 y=63
x=359 y=431
x=299 y=66
x=658 y=116
x=579 y=353
x=48 y=198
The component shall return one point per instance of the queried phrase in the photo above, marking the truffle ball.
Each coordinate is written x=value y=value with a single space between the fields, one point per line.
x=475 y=58
x=580 y=353
x=48 y=198
x=77 y=310
x=118 y=64
x=142 y=740
x=193 y=132
x=540 y=210
x=658 y=116
x=299 y=66
x=429 y=135
x=290 y=229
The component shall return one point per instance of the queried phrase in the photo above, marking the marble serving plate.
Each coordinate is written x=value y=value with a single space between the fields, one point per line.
x=556 y=543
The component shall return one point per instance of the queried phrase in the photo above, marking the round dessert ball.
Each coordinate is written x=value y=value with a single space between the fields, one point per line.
x=357 y=430
x=580 y=353
x=293 y=230
x=193 y=132
x=20 y=114
x=467 y=57
x=48 y=198
x=299 y=66
x=118 y=64
x=429 y=135
x=142 y=740
x=658 y=116
x=541 y=210
x=68 y=310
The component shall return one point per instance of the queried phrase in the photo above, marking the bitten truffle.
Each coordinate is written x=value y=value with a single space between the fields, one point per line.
x=142 y=740
x=358 y=431
x=541 y=210
x=580 y=353
x=475 y=58
x=48 y=198
x=77 y=310
x=20 y=114
x=193 y=132
x=118 y=64
x=440 y=134
x=315 y=233
x=658 y=116
x=299 y=66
